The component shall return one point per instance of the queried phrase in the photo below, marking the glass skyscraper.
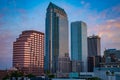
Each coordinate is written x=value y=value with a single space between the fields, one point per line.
x=79 y=43
x=56 y=37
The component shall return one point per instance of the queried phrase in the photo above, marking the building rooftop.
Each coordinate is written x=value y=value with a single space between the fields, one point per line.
x=33 y=31
x=94 y=36
x=53 y=6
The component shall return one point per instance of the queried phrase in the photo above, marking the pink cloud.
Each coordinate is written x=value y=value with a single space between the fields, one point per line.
x=110 y=33
x=108 y=30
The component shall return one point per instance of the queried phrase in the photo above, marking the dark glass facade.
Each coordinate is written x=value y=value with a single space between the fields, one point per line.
x=56 y=38
x=94 y=46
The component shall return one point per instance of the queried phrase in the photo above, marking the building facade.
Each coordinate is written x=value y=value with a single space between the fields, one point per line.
x=64 y=64
x=93 y=61
x=94 y=46
x=56 y=38
x=28 y=52
x=79 y=42
x=76 y=66
x=112 y=55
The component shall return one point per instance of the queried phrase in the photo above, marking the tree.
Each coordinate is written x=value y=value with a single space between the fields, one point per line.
x=94 y=78
x=112 y=74
x=107 y=73
x=17 y=74
x=51 y=76
x=6 y=77
x=47 y=73
x=30 y=75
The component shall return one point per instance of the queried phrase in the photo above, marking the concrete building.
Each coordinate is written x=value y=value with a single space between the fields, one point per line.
x=56 y=38
x=28 y=52
x=77 y=66
x=79 y=43
x=64 y=64
x=94 y=46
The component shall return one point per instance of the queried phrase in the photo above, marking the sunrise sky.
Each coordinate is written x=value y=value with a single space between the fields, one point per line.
x=102 y=18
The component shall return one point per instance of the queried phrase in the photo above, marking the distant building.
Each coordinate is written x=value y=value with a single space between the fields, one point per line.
x=64 y=64
x=110 y=65
x=56 y=38
x=91 y=64
x=28 y=52
x=107 y=73
x=94 y=46
x=93 y=61
x=79 y=43
x=77 y=66
x=112 y=55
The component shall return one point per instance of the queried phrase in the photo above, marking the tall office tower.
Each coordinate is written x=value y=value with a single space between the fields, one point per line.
x=94 y=46
x=79 y=43
x=28 y=52
x=56 y=38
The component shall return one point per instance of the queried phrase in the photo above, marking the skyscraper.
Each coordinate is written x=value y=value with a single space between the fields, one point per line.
x=56 y=38
x=28 y=52
x=94 y=46
x=93 y=52
x=79 y=42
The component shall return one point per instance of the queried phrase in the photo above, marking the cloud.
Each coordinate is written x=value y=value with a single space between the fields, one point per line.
x=82 y=2
x=116 y=8
x=110 y=33
x=111 y=21
x=112 y=12
x=107 y=25
x=22 y=11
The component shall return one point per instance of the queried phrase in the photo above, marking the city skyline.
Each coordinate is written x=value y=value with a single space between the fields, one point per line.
x=16 y=16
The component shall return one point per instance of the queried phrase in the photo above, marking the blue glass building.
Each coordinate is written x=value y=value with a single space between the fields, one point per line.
x=56 y=36
x=79 y=43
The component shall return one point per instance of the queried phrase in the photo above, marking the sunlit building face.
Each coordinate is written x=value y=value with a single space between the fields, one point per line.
x=28 y=52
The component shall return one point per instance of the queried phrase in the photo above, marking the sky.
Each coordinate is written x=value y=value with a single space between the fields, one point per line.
x=101 y=16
